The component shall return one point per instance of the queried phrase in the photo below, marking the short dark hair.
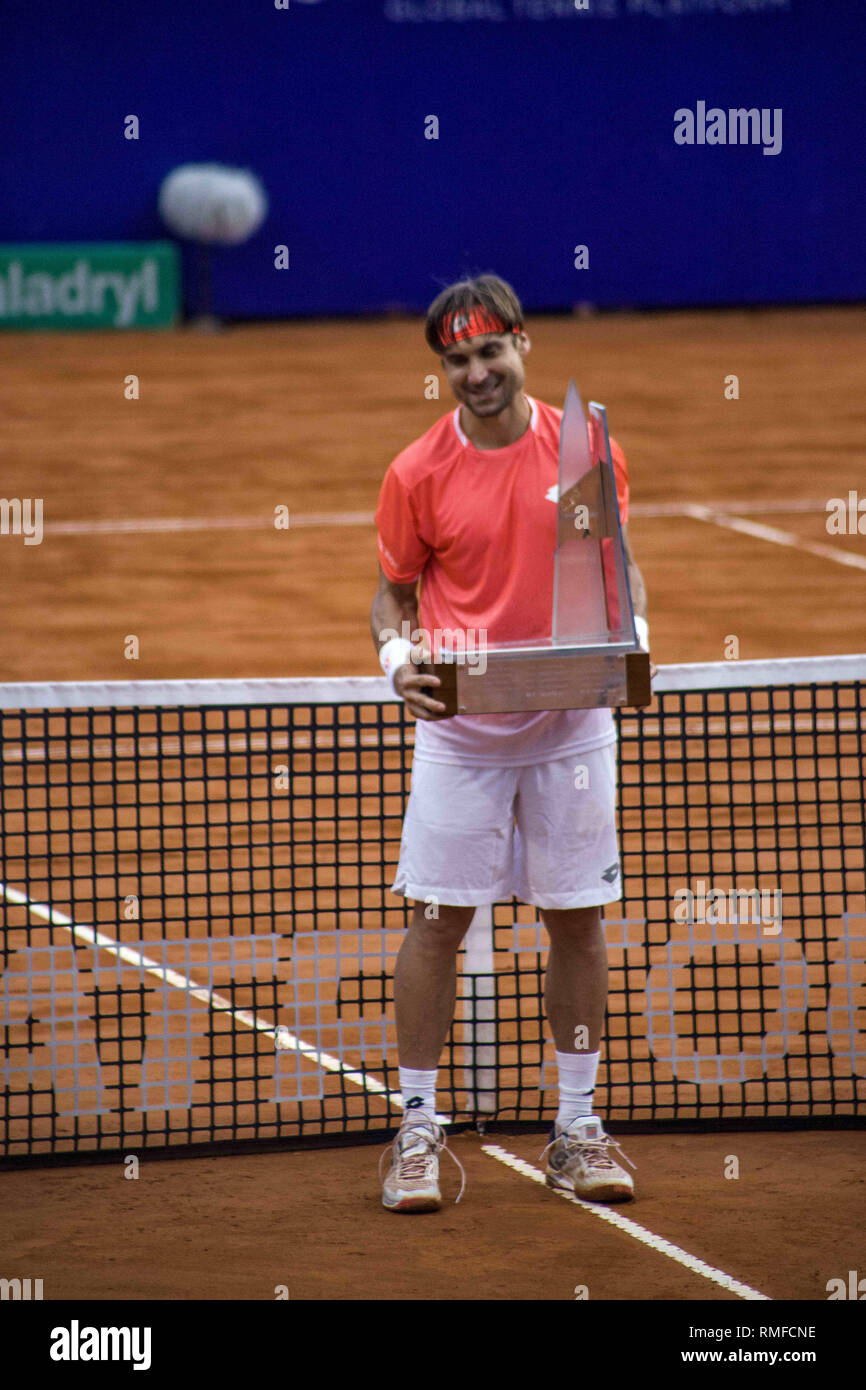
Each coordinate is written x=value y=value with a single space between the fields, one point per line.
x=488 y=292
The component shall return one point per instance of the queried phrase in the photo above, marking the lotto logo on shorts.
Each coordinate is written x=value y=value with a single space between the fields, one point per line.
x=611 y=873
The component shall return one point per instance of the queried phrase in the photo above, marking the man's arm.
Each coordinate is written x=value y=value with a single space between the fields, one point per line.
x=394 y=605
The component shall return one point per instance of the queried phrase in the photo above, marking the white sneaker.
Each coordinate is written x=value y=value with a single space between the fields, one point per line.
x=579 y=1161
x=412 y=1181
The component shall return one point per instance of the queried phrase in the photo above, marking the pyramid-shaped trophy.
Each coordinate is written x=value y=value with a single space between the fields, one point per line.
x=592 y=657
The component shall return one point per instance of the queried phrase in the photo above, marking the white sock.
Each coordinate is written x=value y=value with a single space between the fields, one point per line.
x=577 y=1072
x=418 y=1089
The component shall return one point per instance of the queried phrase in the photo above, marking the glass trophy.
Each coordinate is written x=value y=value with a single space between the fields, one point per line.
x=592 y=657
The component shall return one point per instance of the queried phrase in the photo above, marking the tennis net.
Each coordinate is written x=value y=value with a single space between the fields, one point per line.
x=199 y=937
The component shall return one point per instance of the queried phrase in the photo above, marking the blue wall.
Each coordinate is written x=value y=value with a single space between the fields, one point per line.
x=553 y=131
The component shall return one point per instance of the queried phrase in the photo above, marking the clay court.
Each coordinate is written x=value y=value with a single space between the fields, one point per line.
x=309 y=415
x=159 y=524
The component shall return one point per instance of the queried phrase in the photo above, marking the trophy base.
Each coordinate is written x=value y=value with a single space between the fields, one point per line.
x=590 y=678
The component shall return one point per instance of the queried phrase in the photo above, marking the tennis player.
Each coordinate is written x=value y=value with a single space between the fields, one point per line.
x=496 y=808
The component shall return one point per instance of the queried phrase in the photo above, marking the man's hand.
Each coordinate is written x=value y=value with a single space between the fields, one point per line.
x=410 y=683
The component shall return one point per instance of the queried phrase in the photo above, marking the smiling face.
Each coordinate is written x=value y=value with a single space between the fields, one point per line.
x=487 y=372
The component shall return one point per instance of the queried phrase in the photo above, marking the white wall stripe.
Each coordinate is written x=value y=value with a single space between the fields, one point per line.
x=631 y=1228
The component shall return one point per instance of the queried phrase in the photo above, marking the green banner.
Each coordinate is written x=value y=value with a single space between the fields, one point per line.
x=100 y=284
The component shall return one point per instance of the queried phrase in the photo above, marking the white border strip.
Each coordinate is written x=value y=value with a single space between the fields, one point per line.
x=710 y=675
x=152 y=694
x=631 y=1228
x=735 y=675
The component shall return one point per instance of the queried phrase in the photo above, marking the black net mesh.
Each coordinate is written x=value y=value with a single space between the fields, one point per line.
x=199 y=938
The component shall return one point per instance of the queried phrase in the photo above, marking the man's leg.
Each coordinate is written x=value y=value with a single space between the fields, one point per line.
x=425 y=984
x=456 y=843
x=457 y=831
x=568 y=853
x=425 y=990
x=576 y=997
x=575 y=993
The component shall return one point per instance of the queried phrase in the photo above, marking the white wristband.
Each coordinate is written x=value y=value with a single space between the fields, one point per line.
x=395 y=653
x=641 y=627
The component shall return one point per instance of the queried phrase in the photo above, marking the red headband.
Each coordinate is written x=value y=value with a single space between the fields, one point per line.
x=461 y=326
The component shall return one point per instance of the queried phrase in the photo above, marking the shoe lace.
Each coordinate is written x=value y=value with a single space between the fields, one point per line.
x=413 y=1134
x=594 y=1150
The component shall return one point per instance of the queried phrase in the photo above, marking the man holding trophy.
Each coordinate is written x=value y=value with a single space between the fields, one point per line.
x=507 y=513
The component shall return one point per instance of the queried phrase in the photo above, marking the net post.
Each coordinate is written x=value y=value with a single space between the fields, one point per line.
x=479 y=1014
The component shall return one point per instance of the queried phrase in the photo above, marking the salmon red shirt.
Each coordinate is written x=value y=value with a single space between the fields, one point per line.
x=479 y=528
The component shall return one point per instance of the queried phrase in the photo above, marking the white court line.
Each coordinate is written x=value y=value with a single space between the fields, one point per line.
x=300 y=520
x=206 y=523
x=717 y=513
x=785 y=507
x=631 y=1228
x=288 y=1041
x=772 y=533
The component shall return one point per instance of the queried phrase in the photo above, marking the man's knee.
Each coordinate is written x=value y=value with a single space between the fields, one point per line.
x=442 y=922
x=572 y=922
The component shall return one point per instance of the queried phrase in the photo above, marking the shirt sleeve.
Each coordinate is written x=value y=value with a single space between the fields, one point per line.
x=620 y=473
x=402 y=552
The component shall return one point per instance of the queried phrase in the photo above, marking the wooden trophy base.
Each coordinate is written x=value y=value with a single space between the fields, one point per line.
x=561 y=678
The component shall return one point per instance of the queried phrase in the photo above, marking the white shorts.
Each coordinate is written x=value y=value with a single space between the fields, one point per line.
x=544 y=833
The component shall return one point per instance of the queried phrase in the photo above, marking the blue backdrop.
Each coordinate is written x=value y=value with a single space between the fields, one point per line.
x=556 y=128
